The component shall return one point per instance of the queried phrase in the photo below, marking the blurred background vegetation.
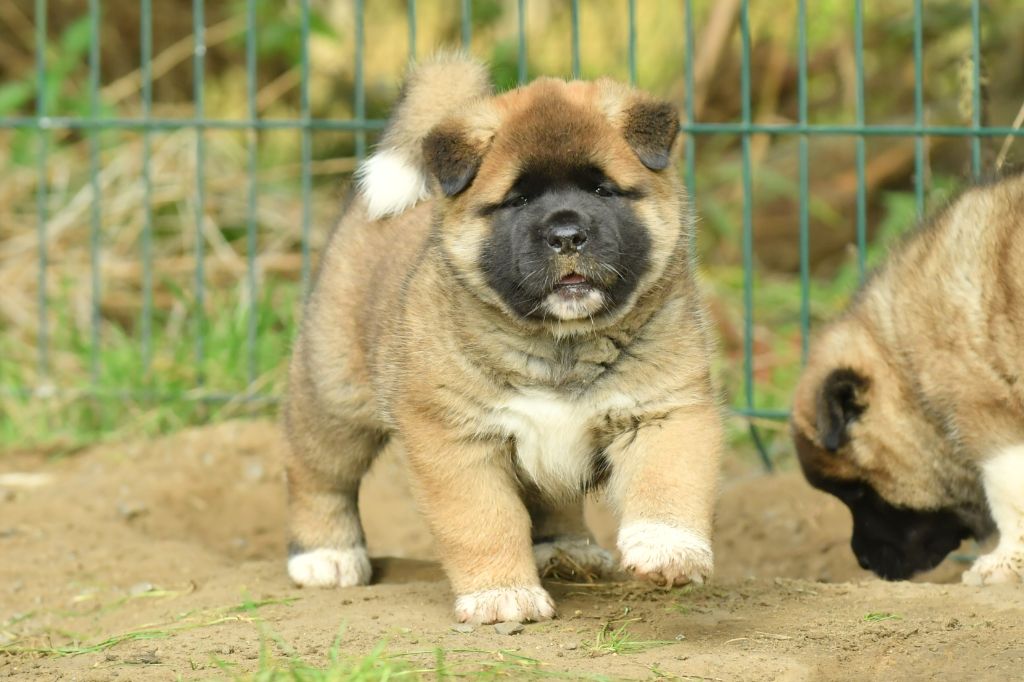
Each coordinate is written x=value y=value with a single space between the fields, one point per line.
x=78 y=401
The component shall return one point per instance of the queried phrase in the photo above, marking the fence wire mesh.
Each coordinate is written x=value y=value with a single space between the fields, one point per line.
x=157 y=335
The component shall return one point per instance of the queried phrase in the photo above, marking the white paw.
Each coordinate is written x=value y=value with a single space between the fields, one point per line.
x=501 y=604
x=996 y=568
x=330 y=567
x=664 y=554
x=572 y=558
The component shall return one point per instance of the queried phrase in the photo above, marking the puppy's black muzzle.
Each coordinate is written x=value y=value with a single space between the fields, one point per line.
x=897 y=542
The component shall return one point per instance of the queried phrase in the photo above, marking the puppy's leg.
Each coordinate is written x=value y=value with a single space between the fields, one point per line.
x=327 y=461
x=562 y=543
x=1003 y=478
x=469 y=496
x=663 y=482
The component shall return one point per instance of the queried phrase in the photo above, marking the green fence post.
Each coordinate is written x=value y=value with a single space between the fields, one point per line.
x=575 y=20
x=690 y=112
x=862 y=210
x=146 y=58
x=252 y=144
x=199 y=68
x=976 y=103
x=43 y=127
x=360 y=86
x=805 y=279
x=467 y=24
x=748 y=233
x=306 y=142
x=411 y=18
x=919 y=161
x=95 y=215
x=521 y=57
x=631 y=6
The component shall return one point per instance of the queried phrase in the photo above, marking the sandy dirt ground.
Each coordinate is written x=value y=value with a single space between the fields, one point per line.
x=164 y=560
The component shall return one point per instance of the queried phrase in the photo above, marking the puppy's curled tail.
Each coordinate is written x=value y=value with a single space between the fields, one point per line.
x=394 y=178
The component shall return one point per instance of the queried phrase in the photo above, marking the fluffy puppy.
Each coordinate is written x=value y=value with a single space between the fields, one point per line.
x=510 y=297
x=911 y=408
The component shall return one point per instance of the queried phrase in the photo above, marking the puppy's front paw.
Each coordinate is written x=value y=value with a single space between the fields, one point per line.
x=572 y=558
x=501 y=604
x=330 y=567
x=996 y=568
x=665 y=555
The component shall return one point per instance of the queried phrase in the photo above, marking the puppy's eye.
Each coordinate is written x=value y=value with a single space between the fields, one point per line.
x=517 y=201
x=604 y=191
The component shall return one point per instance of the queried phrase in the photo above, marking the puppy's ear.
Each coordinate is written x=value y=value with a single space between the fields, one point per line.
x=841 y=401
x=650 y=127
x=451 y=157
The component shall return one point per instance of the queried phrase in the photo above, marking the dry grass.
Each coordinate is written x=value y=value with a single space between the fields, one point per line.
x=233 y=305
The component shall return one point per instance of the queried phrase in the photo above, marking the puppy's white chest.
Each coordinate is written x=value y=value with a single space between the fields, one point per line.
x=554 y=437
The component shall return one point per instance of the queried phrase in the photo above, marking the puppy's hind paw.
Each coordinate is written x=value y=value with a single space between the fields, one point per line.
x=501 y=604
x=330 y=567
x=664 y=554
x=572 y=558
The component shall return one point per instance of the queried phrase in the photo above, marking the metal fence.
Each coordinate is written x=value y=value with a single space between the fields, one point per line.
x=92 y=123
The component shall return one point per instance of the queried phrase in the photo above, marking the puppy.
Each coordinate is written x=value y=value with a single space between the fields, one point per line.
x=911 y=408
x=510 y=297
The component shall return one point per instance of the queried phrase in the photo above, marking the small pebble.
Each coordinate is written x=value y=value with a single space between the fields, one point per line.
x=131 y=510
x=140 y=589
x=145 y=658
x=509 y=628
x=253 y=471
x=572 y=646
x=680 y=637
x=464 y=628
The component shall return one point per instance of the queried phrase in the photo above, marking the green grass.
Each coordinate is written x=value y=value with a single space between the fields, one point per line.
x=619 y=640
x=124 y=399
x=878 y=616
x=437 y=664
x=191 y=620
x=279 y=661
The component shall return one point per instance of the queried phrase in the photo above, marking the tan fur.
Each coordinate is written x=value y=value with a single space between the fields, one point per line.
x=402 y=339
x=939 y=334
x=433 y=91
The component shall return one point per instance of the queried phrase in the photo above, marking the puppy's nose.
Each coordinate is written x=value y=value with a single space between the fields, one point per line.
x=565 y=238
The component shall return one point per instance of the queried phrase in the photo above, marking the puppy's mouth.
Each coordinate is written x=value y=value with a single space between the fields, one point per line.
x=573 y=286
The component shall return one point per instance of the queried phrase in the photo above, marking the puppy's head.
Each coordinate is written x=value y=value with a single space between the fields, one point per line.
x=559 y=203
x=863 y=435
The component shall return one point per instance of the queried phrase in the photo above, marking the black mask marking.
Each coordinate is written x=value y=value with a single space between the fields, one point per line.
x=557 y=221
x=895 y=542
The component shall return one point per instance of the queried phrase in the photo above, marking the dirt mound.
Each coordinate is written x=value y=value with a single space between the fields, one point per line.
x=155 y=559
